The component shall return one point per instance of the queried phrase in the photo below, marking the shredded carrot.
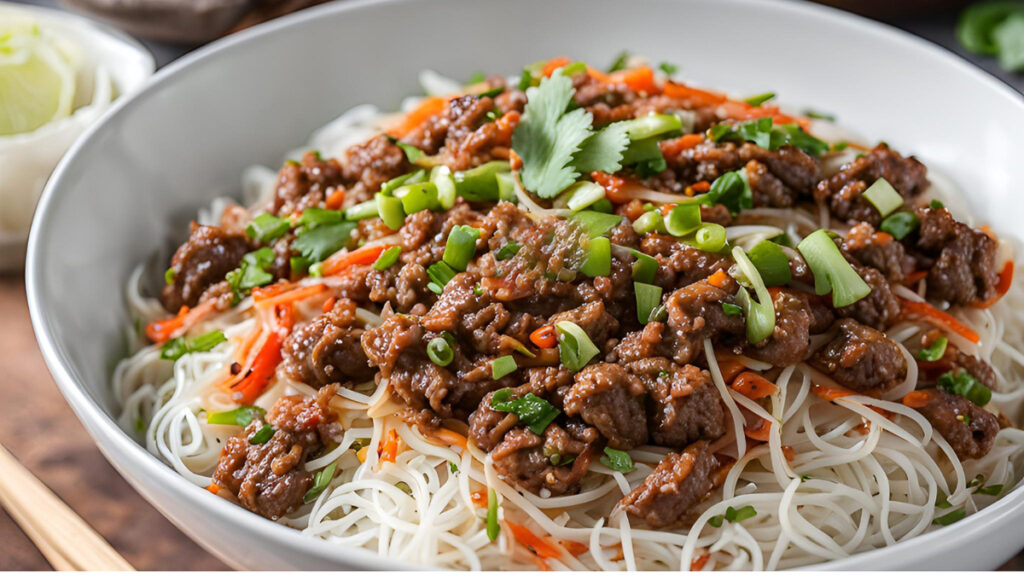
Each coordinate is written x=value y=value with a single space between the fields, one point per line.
x=335 y=200
x=264 y=292
x=640 y=79
x=718 y=279
x=429 y=107
x=788 y=452
x=939 y=318
x=617 y=188
x=249 y=388
x=163 y=330
x=915 y=277
x=730 y=108
x=916 y=399
x=701 y=187
x=541 y=564
x=340 y=261
x=536 y=544
x=291 y=296
x=213 y=488
x=389 y=450
x=730 y=367
x=573 y=547
x=554 y=64
x=754 y=386
x=328 y=304
x=679 y=145
x=759 y=432
x=831 y=393
x=479 y=497
x=361 y=454
x=698 y=562
x=667 y=209
x=1002 y=287
x=695 y=95
x=544 y=337
x=451 y=438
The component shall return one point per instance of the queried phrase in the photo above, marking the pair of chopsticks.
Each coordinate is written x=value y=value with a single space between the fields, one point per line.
x=67 y=542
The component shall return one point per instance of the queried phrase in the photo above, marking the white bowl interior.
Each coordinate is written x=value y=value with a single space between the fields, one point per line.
x=125 y=192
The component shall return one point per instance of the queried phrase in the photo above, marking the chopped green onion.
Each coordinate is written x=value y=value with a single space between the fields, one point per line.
x=759 y=99
x=387 y=258
x=683 y=219
x=649 y=222
x=936 y=205
x=412 y=153
x=990 y=490
x=734 y=515
x=604 y=206
x=460 y=247
x=493 y=528
x=716 y=520
x=574 y=69
x=648 y=298
x=175 y=348
x=617 y=460
x=620 y=62
x=934 y=352
x=440 y=274
x=947 y=519
x=574 y=346
x=884 y=197
x=314 y=217
x=417 y=197
x=320 y=482
x=390 y=210
x=598 y=261
x=831 y=270
x=240 y=416
x=453 y=468
x=317 y=270
x=760 y=314
x=652 y=125
x=710 y=237
x=480 y=184
x=533 y=411
x=263 y=435
x=440 y=352
x=819 y=115
x=668 y=68
x=963 y=383
x=731 y=309
x=362 y=211
x=169 y=275
x=900 y=224
x=441 y=178
x=580 y=195
x=266 y=228
x=410 y=178
x=506 y=187
x=771 y=262
x=596 y=223
x=503 y=366
x=509 y=250
x=644 y=268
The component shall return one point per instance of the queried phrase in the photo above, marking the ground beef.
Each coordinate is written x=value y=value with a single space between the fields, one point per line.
x=487 y=426
x=970 y=429
x=681 y=480
x=270 y=479
x=879 y=251
x=609 y=398
x=679 y=263
x=842 y=192
x=202 y=261
x=306 y=184
x=554 y=462
x=592 y=318
x=880 y=308
x=472 y=138
x=961 y=261
x=371 y=164
x=695 y=313
x=862 y=359
x=328 y=349
x=791 y=337
x=682 y=406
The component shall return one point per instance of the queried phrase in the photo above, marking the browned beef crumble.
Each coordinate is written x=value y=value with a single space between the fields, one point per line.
x=862 y=359
x=842 y=192
x=960 y=260
x=681 y=480
x=201 y=262
x=970 y=429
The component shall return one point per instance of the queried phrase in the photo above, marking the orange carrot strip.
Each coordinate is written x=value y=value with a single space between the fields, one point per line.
x=1002 y=287
x=162 y=330
x=915 y=277
x=328 y=304
x=389 y=451
x=573 y=547
x=544 y=337
x=479 y=498
x=758 y=432
x=718 y=279
x=788 y=452
x=451 y=437
x=335 y=200
x=679 y=145
x=702 y=186
x=730 y=368
x=255 y=381
x=698 y=562
x=916 y=399
x=640 y=79
x=616 y=188
x=342 y=260
x=831 y=393
x=554 y=64
x=754 y=386
x=695 y=95
x=939 y=318
x=291 y=296
x=431 y=106
x=213 y=488
x=537 y=544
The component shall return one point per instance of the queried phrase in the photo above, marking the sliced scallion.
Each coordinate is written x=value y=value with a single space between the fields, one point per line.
x=440 y=275
x=883 y=196
x=390 y=210
x=580 y=195
x=900 y=224
x=598 y=261
x=596 y=223
x=503 y=366
x=493 y=528
x=771 y=262
x=387 y=258
x=440 y=352
x=710 y=237
x=683 y=219
x=649 y=222
x=644 y=267
x=509 y=250
x=321 y=481
x=417 y=197
x=963 y=383
x=760 y=313
x=759 y=99
x=362 y=211
x=480 y=184
x=652 y=125
x=240 y=416
x=266 y=228
x=831 y=270
x=441 y=178
x=648 y=298
x=263 y=435
x=460 y=247
x=934 y=352
x=574 y=346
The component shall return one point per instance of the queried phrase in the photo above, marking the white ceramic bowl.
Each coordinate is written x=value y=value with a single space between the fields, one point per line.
x=126 y=190
x=26 y=160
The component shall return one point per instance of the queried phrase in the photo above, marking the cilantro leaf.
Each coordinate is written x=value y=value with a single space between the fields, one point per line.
x=548 y=137
x=603 y=151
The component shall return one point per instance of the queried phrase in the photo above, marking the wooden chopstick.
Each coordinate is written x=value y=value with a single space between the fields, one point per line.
x=64 y=539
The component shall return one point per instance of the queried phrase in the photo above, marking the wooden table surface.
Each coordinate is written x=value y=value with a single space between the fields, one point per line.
x=40 y=429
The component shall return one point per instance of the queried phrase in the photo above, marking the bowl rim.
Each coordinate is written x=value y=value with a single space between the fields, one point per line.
x=103 y=427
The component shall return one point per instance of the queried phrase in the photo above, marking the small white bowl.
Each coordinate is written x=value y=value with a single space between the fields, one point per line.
x=114 y=65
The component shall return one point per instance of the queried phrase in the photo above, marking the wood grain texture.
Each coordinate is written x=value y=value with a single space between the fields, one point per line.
x=40 y=429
